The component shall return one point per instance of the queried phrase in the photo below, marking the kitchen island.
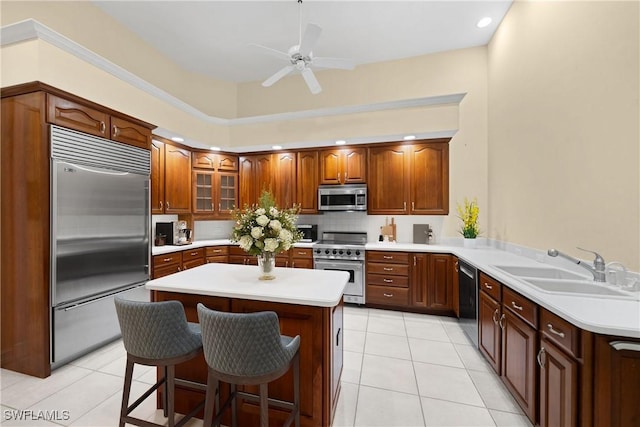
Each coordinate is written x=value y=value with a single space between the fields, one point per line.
x=308 y=303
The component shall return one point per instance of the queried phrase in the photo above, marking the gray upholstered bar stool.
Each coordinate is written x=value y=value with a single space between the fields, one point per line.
x=247 y=349
x=157 y=334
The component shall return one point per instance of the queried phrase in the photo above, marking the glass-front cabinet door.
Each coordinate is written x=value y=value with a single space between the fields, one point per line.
x=228 y=192
x=203 y=192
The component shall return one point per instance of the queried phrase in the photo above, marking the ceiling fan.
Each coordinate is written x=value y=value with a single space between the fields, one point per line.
x=300 y=58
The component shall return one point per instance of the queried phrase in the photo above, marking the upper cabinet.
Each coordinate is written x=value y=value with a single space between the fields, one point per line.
x=343 y=166
x=409 y=179
x=215 y=184
x=256 y=174
x=170 y=179
x=84 y=118
x=307 y=182
x=284 y=178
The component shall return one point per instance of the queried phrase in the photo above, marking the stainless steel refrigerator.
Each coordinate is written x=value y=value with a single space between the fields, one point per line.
x=100 y=242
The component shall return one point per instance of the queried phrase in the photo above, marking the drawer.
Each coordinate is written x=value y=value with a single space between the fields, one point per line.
x=222 y=259
x=165 y=270
x=193 y=254
x=302 y=252
x=521 y=306
x=216 y=251
x=167 y=259
x=186 y=265
x=387 y=295
x=491 y=286
x=388 y=269
x=385 y=280
x=561 y=332
x=388 y=257
x=236 y=250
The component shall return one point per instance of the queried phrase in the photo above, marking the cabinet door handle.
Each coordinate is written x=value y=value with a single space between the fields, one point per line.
x=488 y=286
x=500 y=321
x=339 y=178
x=220 y=207
x=387 y=269
x=346 y=176
x=103 y=127
x=115 y=130
x=387 y=257
x=179 y=269
x=516 y=306
x=414 y=260
x=455 y=267
x=168 y=205
x=184 y=267
x=555 y=331
x=387 y=295
x=540 y=356
x=160 y=204
x=387 y=280
x=413 y=206
x=405 y=206
x=293 y=264
x=194 y=253
x=495 y=316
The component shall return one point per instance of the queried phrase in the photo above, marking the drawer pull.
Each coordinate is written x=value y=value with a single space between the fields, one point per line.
x=194 y=253
x=554 y=331
x=387 y=269
x=115 y=130
x=301 y=253
x=495 y=316
x=624 y=345
x=217 y=251
x=387 y=295
x=387 y=257
x=387 y=280
x=488 y=286
x=540 y=356
x=103 y=127
x=516 y=306
x=166 y=260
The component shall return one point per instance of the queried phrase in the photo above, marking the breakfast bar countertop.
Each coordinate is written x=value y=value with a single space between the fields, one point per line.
x=320 y=288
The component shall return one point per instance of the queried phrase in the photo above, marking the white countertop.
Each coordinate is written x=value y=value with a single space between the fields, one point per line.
x=160 y=250
x=321 y=288
x=600 y=314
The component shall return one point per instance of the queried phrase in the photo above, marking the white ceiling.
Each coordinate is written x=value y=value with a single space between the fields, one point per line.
x=212 y=37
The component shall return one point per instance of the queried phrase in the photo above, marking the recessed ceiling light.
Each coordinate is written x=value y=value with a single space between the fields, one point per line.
x=484 y=22
x=341 y=142
x=215 y=148
x=177 y=139
x=277 y=147
x=409 y=137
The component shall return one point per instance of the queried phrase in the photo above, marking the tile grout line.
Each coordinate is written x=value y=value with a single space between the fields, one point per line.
x=415 y=376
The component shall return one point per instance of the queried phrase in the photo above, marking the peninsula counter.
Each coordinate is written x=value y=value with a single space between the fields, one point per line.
x=308 y=303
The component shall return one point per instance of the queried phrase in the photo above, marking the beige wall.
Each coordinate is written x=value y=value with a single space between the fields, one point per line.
x=564 y=128
x=89 y=26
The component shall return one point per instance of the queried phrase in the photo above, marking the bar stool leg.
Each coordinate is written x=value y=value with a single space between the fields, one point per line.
x=296 y=387
x=171 y=386
x=264 y=405
x=126 y=391
x=234 y=406
x=209 y=408
x=165 y=406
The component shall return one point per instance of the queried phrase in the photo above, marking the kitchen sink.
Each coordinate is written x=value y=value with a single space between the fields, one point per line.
x=577 y=287
x=539 y=272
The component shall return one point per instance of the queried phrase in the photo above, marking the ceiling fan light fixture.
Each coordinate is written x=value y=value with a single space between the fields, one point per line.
x=484 y=22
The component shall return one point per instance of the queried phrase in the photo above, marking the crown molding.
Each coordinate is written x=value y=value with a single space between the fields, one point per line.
x=31 y=29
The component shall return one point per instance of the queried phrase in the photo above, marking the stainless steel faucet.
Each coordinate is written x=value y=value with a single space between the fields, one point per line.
x=598 y=268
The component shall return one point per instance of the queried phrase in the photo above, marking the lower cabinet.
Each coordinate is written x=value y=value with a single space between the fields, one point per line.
x=489 y=332
x=219 y=254
x=558 y=386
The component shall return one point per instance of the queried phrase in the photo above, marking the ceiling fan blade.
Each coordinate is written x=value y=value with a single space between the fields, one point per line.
x=277 y=76
x=340 y=63
x=312 y=82
x=309 y=39
x=269 y=51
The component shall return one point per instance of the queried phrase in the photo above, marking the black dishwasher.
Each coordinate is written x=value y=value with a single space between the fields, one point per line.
x=468 y=282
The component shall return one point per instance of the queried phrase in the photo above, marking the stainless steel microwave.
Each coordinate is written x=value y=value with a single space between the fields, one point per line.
x=350 y=197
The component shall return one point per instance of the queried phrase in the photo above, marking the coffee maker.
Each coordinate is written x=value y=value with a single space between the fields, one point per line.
x=175 y=233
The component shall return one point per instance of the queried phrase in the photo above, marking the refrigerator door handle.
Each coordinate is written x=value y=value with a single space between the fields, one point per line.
x=94 y=300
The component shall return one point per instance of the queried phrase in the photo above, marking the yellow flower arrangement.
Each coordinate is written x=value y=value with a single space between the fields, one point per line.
x=469 y=216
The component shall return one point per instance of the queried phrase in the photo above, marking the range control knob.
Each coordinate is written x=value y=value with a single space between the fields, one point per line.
x=317 y=251
x=335 y=252
x=326 y=251
x=348 y=251
x=340 y=251
x=357 y=253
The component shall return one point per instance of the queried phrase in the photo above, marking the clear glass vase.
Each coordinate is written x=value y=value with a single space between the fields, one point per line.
x=266 y=264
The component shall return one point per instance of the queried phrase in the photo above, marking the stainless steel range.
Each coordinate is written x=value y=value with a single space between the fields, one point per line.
x=343 y=251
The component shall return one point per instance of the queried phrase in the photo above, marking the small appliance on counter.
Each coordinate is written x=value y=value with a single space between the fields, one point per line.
x=176 y=233
x=422 y=233
x=309 y=232
x=388 y=231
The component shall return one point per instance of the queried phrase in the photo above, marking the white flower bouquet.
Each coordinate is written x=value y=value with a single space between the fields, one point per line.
x=265 y=229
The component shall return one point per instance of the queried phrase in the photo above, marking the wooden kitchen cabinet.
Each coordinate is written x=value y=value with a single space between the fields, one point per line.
x=432 y=282
x=343 y=166
x=95 y=121
x=214 y=193
x=214 y=161
x=409 y=179
x=170 y=178
x=166 y=264
x=387 y=278
x=256 y=175
x=284 y=179
x=489 y=332
x=218 y=254
x=558 y=386
x=307 y=182
x=301 y=257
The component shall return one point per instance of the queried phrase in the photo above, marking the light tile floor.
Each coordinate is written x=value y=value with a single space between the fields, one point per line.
x=400 y=369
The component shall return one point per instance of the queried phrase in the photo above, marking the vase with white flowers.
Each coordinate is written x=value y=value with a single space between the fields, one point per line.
x=265 y=230
x=470 y=229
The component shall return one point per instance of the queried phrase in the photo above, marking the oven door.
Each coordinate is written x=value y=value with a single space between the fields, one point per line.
x=355 y=286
